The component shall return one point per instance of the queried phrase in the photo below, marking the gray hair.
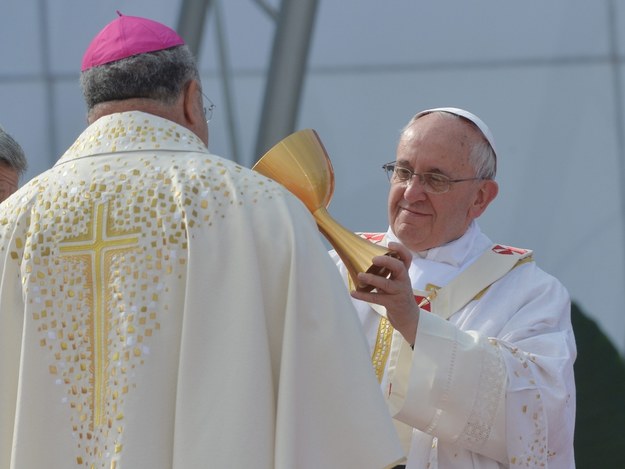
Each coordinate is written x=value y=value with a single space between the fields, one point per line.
x=159 y=75
x=481 y=155
x=11 y=153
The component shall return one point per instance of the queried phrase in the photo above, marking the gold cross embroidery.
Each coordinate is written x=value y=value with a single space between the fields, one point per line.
x=97 y=246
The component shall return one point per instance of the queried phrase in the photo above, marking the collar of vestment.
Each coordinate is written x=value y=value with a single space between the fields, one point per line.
x=456 y=253
x=132 y=131
x=474 y=253
x=438 y=266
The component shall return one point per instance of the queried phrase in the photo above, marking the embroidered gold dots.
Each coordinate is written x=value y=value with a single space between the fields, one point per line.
x=105 y=241
x=533 y=450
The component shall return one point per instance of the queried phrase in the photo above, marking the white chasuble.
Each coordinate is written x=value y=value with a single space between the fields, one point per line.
x=164 y=308
x=490 y=387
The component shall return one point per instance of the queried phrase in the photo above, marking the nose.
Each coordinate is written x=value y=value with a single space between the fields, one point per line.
x=414 y=190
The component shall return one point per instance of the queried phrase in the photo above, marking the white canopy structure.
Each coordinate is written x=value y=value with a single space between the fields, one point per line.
x=547 y=77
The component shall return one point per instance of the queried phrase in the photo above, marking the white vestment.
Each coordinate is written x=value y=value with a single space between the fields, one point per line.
x=164 y=308
x=492 y=386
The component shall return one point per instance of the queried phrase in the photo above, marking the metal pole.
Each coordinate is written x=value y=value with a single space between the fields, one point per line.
x=226 y=80
x=286 y=72
x=50 y=110
x=191 y=23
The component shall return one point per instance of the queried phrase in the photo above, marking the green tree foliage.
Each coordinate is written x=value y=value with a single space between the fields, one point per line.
x=600 y=382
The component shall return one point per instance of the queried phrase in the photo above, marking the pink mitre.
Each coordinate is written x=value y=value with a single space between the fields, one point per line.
x=127 y=36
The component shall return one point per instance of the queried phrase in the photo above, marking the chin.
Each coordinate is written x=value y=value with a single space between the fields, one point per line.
x=410 y=237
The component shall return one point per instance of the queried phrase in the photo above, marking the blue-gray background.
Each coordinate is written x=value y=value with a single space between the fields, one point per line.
x=546 y=76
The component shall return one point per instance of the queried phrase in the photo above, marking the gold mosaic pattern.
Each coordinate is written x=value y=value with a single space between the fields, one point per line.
x=102 y=238
x=93 y=256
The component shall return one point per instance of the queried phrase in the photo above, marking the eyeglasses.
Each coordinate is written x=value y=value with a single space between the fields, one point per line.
x=209 y=106
x=434 y=183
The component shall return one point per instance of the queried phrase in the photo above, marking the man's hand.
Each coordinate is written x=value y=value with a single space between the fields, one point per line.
x=394 y=292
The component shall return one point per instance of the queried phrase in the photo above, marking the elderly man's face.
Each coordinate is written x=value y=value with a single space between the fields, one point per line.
x=423 y=220
x=8 y=181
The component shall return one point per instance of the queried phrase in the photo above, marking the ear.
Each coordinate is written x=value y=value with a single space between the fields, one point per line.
x=192 y=103
x=485 y=195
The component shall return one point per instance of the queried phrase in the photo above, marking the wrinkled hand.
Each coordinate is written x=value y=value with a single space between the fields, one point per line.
x=394 y=292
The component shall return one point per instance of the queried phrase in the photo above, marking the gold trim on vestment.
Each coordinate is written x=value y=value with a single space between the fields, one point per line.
x=518 y=263
x=382 y=347
x=383 y=341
